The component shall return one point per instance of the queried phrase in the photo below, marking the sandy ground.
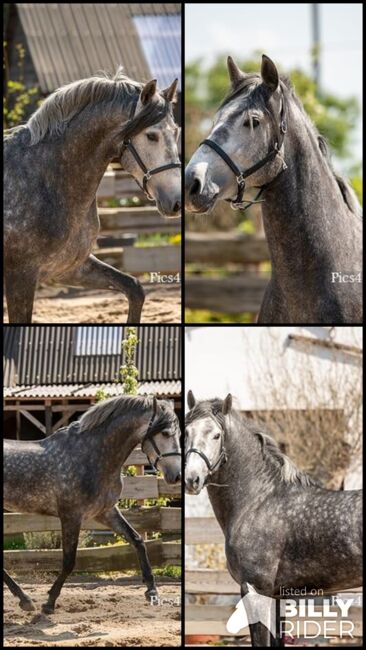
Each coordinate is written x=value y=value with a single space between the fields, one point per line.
x=62 y=305
x=94 y=612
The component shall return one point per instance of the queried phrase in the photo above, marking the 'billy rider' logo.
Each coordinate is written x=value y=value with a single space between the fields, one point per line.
x=300 y=617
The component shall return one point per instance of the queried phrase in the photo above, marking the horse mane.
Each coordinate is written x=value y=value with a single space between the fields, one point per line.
x=59 y=108
x=272 y=454
x=112 y=407
x=260 y=96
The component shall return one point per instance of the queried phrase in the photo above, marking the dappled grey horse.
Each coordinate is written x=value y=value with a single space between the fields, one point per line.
x=53 y=166
x=282 y=529
x=75 y=474
x=262 y=137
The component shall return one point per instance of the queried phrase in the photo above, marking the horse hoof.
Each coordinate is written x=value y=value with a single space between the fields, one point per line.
x=48 y=609
x=27 y=605
x=151 y=596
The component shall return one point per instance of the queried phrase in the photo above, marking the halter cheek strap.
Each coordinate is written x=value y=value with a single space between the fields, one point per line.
x=150 y=437
x=212 y=467
x=241 y=175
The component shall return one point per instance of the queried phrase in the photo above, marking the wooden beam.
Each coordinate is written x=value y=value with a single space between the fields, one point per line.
x=203 y=530
x=34 y=421
x=234 y=294
x=48 y=417
x=219 y=249
x=342 y=347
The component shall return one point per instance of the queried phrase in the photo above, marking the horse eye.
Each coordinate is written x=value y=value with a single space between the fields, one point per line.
x=152 y=136
x=255 y=122
x=216 y=436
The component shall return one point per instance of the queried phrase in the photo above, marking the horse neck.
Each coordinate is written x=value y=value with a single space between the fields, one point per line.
x=120 y=437
x=245 y=477
x=305 y=217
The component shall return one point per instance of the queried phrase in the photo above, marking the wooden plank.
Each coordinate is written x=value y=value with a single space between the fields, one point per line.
x=163 y=259
x=210 y=581
x=172 y=552
x=101 y=558
x=203 y=530
x=238 y=293
x=34 y=420
x=170 y=519
x=212 y=619
x=146 y=519
x=116 y=184
x=219 y=249
x=140 y=219
x=166 y=490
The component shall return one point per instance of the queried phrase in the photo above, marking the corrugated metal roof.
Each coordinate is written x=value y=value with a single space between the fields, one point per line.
x=45 y=355
x=158 y=388
x=73 y=41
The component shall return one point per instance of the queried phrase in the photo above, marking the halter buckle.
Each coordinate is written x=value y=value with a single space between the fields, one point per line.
x=283 y=126
x=147 y=176
x=240 y=179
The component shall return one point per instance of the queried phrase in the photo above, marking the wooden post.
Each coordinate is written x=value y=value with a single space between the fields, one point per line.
x=48 y=416
x=18 y=420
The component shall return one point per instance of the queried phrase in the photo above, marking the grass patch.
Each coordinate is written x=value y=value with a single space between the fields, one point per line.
x=206 y=316
x=171 y=571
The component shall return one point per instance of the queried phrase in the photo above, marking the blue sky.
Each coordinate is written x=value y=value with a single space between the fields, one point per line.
x=283 y=31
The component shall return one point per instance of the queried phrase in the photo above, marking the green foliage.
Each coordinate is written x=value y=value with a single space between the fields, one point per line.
x=18 y=96
x=101 y=394
x=206 y=316
x=171 y=570
x=128 y=372
x=14 y=543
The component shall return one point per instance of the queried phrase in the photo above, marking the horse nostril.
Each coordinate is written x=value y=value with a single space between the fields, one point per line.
x=178 y=477
x=196 y=481
x=176 y=206
x=195 y=187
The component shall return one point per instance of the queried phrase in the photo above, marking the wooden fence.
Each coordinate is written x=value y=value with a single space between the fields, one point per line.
x=146 y=519
x=100 y=558
x=142 y=219
x=206 y=618
x=242 y=289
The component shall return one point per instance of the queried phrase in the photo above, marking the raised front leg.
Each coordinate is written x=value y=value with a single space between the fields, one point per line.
x=70 y=534
x=20 y=287
x=94 y=274
x=24 y=601
x=115 y=520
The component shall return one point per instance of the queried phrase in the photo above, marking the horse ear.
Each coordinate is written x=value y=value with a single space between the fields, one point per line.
x=170 y=93
x=227 y=404
x=269 y=73
x=148 y=91
x=191 y=399
x=235 y=74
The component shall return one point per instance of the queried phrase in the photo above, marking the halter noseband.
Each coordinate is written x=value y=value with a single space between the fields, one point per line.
x=241 y=175
x=221 y=459
x=150 y=437
x=127 y=144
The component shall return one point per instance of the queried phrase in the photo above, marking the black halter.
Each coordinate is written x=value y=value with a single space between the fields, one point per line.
x=150 y=438
x=221 y=459
x=241 y=175
x=127 y=144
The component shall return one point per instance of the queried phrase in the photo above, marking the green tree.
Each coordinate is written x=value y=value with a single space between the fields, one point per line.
x=128 y=372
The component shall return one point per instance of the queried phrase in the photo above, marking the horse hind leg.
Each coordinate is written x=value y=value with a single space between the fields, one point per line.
x=115 y=520
x=24 y=601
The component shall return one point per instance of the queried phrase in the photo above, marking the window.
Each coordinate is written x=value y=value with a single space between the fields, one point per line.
x=98 y=340
x=160 y=38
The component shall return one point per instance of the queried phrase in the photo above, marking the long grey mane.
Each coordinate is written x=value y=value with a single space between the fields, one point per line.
x=276 y=460
x=57 y=111
x=258 y=95
x=112 y=407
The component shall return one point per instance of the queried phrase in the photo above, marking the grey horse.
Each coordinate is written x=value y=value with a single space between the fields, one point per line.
x=282 y=529
x=75 y=474
x=262 y=137
x=53 y=166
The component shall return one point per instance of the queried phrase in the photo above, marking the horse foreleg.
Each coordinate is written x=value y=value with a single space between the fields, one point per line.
x=20 y=287
x=94 y=274
x=259 y=634
x=278 y=641
x=116 y=521
x=70 y=536
x=24 y=601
